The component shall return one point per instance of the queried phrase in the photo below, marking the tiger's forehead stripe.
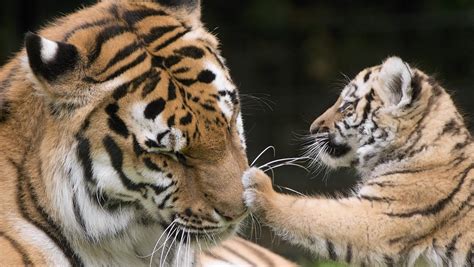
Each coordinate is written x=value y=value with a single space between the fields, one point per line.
x=147 y=40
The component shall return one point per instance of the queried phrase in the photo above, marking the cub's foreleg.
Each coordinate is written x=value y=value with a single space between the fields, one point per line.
x=357 y=231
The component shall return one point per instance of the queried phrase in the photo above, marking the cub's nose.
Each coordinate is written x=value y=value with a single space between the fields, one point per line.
x=314 y=129
x=318 y=127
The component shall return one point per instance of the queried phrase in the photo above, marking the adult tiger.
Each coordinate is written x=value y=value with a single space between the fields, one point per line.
x=402 y=132
x=118 y=122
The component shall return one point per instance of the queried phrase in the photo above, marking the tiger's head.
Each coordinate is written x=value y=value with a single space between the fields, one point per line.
x=143 y=121
x=374 y=116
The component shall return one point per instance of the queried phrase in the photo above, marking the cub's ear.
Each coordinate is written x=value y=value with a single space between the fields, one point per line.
x=48 y=59
x=395 y=79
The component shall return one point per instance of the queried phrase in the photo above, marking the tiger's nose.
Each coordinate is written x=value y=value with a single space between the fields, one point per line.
x=230 y=216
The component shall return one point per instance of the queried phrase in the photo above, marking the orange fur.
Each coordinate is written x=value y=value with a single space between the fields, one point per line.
x=403 y=134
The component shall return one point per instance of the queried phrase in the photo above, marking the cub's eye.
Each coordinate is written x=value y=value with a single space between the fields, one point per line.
x=347 y=106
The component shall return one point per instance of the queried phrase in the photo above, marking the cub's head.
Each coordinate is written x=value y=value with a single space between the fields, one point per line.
x=375 y=116
x=143 y=120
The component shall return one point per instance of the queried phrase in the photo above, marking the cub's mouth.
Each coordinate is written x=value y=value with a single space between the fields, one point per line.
x=330 y=147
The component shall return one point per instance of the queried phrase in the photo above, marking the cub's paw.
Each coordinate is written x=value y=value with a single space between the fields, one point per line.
x=258 y=190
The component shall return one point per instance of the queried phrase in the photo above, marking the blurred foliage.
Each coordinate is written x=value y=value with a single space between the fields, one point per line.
x=289 y=58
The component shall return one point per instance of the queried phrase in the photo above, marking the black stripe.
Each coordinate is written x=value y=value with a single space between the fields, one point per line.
x=238 y=255
x=137 y=148
x=115 y=123
x=369 y=97
x=463 y=144
x=134 y=16
x=154 y=108
x=416 y=88
x=331 y=251
x=160 y=136
x=214 y=256
x=78 y=213
x=171 y=40
x=258 y=252
x=5 y=106
x=181 y=70
x=151 y=165
x=86 y=26
x=120 y=71
x=103 y=36
x=130 y=86
x=339 y=129
x=24 y=255
x=5 y=110
x=83 y=154
x=163 y=202
x=191 y=52
x=47 y=225
x=388 y=261
x=375 y=198
x=405 y=171
x=216 y=57
x=187 y=119
x=158 y=32
x=450 y=127
x=171 y=90
x=470 y=256
x=451 y=248
x=348 y=258
x=120 y=55
x=367 y=76
x=171 y=61
x=154 y=79
x=171 y=121
x=116 y=158
x=186 y=82
x=382 y=184
x=438 y=206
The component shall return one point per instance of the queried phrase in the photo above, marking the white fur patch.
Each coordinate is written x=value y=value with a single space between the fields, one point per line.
x=39 y=239
x=49 y=50
x=393 y=67
x=149 y=129
x=222 y=83
x=240 y=130
x=247 y=180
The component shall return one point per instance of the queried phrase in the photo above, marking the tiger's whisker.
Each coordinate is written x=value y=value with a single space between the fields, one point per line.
x=263 y=152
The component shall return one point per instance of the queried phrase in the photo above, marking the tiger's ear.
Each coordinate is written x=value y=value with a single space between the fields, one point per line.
x=189 y=10
x=395 y=81
x=189 y=5
x=50 y=60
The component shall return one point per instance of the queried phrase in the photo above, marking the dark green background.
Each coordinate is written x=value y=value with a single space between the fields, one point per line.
x=292 y=55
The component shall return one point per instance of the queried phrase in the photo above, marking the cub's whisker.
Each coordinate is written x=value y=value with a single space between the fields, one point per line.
x=291 y=190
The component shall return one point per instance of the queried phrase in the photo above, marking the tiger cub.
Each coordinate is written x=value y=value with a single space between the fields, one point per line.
x=401 y=131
